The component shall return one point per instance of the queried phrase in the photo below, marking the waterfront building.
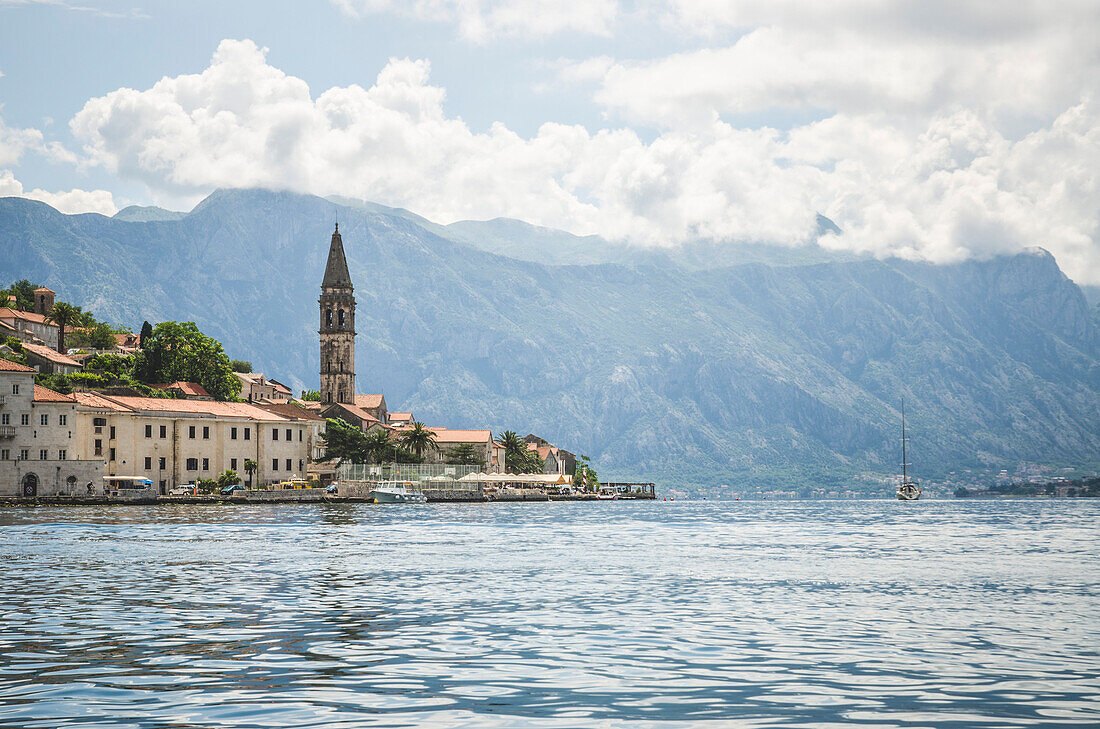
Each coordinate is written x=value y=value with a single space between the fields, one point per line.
x=173 y=442
x=39 y=450
x=556 y=460
x=337 y=309
x=488 y=450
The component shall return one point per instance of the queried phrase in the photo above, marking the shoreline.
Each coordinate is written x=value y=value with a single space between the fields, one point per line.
x=16 y=502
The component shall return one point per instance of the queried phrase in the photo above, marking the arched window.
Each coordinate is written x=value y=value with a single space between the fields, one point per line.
x=341 y=318
x=328 y=317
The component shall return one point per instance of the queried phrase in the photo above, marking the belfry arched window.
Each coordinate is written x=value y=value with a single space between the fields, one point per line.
x=341 y=318
x=328 y=317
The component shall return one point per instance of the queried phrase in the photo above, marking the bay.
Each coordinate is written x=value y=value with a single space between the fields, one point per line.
x=645 y=614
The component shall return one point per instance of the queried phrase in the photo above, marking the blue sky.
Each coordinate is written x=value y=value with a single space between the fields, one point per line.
x=935 y=130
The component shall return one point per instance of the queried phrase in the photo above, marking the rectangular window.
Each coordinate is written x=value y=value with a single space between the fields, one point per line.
x=148 y=463
x=192 y=464
x=232 y=434
x=248 y=433
x=163 y=486
x=299 y=435
x=206 y=464
x=62 y=419
x=15 y=389
x=164 y=431
x=44 y=419
x=148 y=431
x=98 y=447
x=5 y=455
x=5 y=419
x=24 y=419
x=289 y=467
x=190 y=431
x=162 y=463
x=274 y=434
x=274 y=464
x=289 y=436
x=112 y=432
x=99 y=422
x=112 y=454
x=43 y=455
x=206 y=432
x=62 y=455
x=233 y=464
x=24 y=454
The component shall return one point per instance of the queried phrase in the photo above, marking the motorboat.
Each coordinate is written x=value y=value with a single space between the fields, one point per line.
x=396 y=493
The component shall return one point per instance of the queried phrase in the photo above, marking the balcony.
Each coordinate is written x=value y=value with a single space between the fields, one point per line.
x=7 y=431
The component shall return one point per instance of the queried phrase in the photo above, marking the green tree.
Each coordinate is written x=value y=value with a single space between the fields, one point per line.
x=311 y=395
x=179 y=351
x=146 y=333
x=585 y=476
x=464 y=454
x=250 y=467
x=344 y=442
x=228 y=478
x=418 y=439
x=99 y=335
x=379 y=444
x=240 y=365
x=23 y=291
x=64 y=315
x=206 y=485
x=518 y=458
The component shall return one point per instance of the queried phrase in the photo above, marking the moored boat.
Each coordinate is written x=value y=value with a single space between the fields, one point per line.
x=396 y=493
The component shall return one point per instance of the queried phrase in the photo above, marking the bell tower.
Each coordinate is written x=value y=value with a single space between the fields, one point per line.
x=337 y=327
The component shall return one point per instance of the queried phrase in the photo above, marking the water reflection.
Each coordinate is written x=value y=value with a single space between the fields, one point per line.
x=952 y=614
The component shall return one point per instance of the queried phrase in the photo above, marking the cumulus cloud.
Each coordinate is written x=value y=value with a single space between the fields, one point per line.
x=940 y=185
x=480 y=20
x=14 y=142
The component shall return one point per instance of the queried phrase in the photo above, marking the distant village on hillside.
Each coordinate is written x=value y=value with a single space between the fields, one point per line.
x=81 y=400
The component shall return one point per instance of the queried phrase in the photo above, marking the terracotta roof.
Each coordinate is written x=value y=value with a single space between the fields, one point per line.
x=187 y=388
x=195 y=407
x=290 y=410
x=7 y=365
x=445 y=435
x=356 y=411
x=52 y=355
x=8 y=313
x=368 y=401
x=400 y=416
x=100 y=402
x=43 y=288
x=45 y=394
x=280 y=387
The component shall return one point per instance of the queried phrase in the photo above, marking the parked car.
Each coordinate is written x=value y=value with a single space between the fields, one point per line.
x=331 y=489
x=230 y=489
x=187 y=489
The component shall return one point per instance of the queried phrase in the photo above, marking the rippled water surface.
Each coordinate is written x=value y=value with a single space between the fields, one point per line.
x=877 y=614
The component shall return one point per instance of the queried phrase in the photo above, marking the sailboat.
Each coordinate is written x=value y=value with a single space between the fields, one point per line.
x=907 y=490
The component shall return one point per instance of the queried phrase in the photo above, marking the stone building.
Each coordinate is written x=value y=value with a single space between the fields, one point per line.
x=337 y=308
x=173 y=442
x=40 y=454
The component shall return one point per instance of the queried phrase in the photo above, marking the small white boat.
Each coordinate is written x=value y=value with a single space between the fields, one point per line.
x=396 y=493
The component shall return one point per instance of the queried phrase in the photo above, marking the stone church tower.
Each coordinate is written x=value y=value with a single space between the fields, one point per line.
x=337 y=327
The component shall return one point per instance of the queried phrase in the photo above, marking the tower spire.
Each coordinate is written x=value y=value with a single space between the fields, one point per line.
x=337 y=330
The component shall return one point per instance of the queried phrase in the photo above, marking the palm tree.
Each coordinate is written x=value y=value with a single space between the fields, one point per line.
x=63 y=315
x=515 y=451
x=250 y=467
x=378 y=442
x=418 y=439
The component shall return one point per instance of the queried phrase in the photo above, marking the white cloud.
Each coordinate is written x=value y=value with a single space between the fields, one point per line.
x=940 y=185
x=481 y=20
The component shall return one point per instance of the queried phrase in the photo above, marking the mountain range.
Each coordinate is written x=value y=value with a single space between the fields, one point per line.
x=703 y=364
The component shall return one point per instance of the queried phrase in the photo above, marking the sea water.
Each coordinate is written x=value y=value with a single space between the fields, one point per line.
x=955 y=613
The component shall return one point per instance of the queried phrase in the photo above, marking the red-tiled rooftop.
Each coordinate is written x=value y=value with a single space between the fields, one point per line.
x=50 y=354
x=101 y=402
x=45 y=394
x=196 y=407
x=368 y=401
x=187 y=388
x=7 y=365
x=9 y=313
